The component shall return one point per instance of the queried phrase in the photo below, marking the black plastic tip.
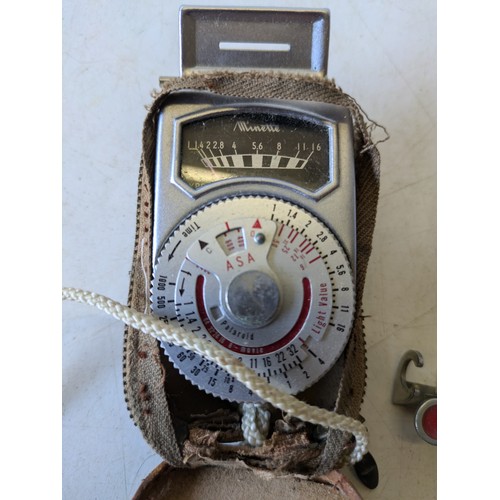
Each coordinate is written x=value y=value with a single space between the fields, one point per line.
x=367 y=471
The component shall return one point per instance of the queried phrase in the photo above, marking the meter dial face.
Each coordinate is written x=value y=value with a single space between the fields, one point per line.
x=265 y=280
x=264 y=145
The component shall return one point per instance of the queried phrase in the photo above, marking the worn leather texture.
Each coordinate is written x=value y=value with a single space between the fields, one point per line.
x=227 y=483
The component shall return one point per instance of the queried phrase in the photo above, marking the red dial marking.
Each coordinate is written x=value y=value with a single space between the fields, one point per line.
x=306 y=247
x=241 y=349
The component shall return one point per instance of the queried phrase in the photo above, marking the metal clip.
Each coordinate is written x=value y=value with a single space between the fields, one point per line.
x=241 y=39
x=410 y=393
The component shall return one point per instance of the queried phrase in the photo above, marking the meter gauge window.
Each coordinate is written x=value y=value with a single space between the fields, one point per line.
x=267 y=145
x=264 y=279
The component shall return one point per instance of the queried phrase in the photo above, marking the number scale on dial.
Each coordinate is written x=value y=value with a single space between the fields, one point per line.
x=264 y=279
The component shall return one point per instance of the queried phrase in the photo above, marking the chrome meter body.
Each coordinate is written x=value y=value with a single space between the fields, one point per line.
x=254 y=236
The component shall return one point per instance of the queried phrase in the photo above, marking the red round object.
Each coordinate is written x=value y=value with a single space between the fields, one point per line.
x=429 y=421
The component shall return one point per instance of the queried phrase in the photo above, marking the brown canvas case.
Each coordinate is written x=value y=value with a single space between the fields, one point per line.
x=187 y=427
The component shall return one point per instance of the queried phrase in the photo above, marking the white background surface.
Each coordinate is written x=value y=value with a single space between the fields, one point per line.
x=383 y=53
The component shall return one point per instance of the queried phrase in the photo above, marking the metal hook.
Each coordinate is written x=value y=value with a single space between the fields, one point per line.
x=410 y=393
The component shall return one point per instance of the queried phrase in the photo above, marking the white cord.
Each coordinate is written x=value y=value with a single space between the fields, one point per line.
x=168 y=333
x=254 y=423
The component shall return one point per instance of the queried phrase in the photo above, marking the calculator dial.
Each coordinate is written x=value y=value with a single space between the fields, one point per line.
x=265 y=280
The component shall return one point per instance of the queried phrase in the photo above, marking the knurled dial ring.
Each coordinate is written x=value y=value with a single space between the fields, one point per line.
x=267 y=281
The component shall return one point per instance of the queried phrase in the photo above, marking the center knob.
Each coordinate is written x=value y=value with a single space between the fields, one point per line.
x=253 y=299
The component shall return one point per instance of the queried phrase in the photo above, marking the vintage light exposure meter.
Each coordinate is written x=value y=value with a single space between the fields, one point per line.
x=254 y=209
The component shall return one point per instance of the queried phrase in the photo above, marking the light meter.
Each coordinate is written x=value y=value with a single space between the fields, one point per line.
x=255 y=214
x=254 y=236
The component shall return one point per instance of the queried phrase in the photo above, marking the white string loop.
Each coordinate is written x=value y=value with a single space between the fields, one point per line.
x=254 y=423
x=168 y=333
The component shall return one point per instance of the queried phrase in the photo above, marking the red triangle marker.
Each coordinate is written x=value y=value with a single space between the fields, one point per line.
x=257 y=225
